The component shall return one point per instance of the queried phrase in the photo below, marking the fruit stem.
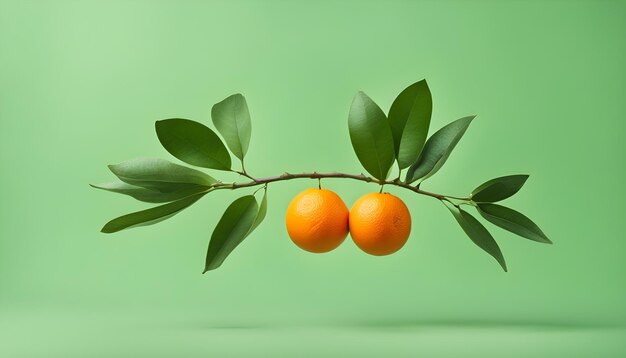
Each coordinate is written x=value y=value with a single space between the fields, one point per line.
x=318 y=176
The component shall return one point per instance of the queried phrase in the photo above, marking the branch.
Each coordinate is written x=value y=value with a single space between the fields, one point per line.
x=315 y=175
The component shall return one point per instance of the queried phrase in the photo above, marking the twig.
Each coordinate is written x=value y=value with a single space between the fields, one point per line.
x=315 y=175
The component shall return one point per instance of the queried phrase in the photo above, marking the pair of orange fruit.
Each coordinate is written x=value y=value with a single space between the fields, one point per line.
x=319 y=221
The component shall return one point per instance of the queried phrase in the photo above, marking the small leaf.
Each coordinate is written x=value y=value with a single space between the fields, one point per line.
x=193 y=143
x=148 y=195
x=499 y=188
x=409 y=118
x=477 y=233
x=261 y=213
x=231 y=230
x=513 y=221
x=232 y=119
x=437 y=150
x=160 y=175
x=150 y=216
x=371 y=136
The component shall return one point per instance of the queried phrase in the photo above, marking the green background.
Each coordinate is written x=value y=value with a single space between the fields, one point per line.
x=81 y=84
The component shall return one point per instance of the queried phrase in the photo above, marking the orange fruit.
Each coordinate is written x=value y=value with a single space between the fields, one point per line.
x=317 y=220
x=380 y=223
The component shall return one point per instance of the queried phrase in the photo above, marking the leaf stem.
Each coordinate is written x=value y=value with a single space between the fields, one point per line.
x=264 y=187
x=314 y=175
x=243 y=173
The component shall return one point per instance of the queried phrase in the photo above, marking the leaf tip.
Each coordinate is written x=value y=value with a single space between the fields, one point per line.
x=420 y=83
x=523 y=178
x=106 y=230
x=502 y=263
x=158 y=127
x=361 y=94
x=110 y=227
x=160 y=122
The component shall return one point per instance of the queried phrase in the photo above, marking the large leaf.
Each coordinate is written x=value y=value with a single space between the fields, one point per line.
x=232 y=119
x=150 y=216
x=409 y=118
x=437 y=150
x=371 y=136
x=477 y=233
x=513 y=221
x=499 y=188
x=160 y=175
x=193 y=143
x=231 y=230
x=148 y=195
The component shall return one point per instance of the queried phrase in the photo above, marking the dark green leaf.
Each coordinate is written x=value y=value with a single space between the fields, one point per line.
x=193 y=143
x=261 y=213
x=409 y=118
x=371 y=136
x=150 y=216
x=230 y=231
x=499 y=188
x=477 y=233
x=160 y=175
x=232 y=119
x=437 y=150
x=148 y=195
x=513 y=221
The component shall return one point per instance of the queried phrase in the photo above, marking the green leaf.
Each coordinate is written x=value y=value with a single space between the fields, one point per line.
x=231 y=230
x=477 y=233
x=150 y=216
x=499 y=188
x=437 y=150
x=193 y=143
x=513 y=221
x=148 y=195
x=371 y=136
x=261 y=213
x=409 y=118
x=232 y=119
x=160 y=175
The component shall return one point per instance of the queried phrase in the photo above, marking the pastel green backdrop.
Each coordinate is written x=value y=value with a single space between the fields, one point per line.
x=81 y=84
